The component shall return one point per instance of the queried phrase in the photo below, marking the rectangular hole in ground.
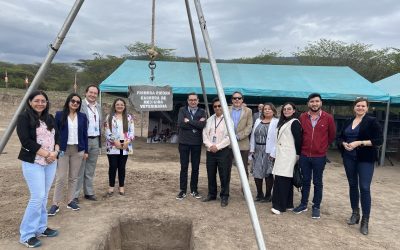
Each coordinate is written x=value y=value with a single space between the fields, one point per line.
x=151 y=234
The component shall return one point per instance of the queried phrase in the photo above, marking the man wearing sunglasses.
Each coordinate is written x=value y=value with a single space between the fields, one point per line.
x=216 y=140
x=92 y=109
x=191 y=121
x=243 y=122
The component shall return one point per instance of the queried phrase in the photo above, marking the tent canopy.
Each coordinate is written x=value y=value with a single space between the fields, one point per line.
x=391 y=85
x=253 y=80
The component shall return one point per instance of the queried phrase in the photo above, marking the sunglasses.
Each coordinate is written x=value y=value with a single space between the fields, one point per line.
x=75 y=102
x=217 y=106
x=236 y=98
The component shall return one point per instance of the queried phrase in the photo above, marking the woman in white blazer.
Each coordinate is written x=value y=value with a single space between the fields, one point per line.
x=262 y=145
x=288 y=148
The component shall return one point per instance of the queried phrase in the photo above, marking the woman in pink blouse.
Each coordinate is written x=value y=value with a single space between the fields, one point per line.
x=120 y=132
x=39 y=149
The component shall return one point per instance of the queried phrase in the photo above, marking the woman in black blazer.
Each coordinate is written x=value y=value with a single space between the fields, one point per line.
x=358 y=142
x=39 y=148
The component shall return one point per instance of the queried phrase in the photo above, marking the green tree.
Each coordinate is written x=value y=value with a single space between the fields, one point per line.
x=98 y=69
x=371 y=64
x=139 y=50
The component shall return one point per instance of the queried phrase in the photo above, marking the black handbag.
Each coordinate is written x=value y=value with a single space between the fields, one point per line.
x=297 y=177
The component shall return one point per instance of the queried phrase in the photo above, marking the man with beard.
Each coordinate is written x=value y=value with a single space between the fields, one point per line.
x=318 y=132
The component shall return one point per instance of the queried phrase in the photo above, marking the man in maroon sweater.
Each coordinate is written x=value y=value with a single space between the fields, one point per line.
x=318 y=132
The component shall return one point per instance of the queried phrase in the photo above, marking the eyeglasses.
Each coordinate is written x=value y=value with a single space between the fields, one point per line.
x=217 y=106
x=75 y=101
x=40 y=101
x=192 y=100
x=236 y=98
x=288 y=109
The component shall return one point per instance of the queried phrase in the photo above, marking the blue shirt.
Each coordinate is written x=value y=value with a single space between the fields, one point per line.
x=236 y=116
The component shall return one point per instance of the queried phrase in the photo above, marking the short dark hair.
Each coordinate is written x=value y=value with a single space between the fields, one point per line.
x=92 y=85
x=360 y=99
x=192 y=93
x=313 y=95
x=216 y=99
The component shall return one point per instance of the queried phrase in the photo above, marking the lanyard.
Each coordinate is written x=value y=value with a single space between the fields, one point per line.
x=217 y=125
x=191 y=113
x=94 y=113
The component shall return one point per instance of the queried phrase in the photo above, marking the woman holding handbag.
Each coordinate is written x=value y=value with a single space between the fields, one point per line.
x=288 y=147
x=120 y=132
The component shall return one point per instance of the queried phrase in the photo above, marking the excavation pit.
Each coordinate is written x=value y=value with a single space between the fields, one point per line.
x=150 y=234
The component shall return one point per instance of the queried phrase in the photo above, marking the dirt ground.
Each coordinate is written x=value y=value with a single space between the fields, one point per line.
x=152 y=182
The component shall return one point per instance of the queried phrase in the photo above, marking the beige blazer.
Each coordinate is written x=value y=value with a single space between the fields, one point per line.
x=244 y=127
x=285 y=158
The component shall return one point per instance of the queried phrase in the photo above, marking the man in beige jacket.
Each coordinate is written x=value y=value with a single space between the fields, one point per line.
x=243 y=121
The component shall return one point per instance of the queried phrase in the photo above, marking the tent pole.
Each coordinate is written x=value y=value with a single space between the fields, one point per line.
x=229 y=125
x=42 y=70
x=196 y=52
x=385 y=132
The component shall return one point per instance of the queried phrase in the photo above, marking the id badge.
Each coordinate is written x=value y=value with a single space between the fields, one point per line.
x=214 y=139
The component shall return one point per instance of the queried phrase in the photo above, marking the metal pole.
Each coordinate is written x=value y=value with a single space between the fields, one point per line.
x=385 y=131
x=42 y=70
x=232 y=136
x=141 y=124
x=196 y=52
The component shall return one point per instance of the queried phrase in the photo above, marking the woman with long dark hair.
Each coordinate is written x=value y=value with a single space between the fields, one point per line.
x=40 y=145
x=359 y=141
x=72 y=125
x=120 y=132
x=288 y=147
x=262 y=145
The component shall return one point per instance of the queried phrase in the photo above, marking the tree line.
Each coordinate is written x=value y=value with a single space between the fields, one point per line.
x=372 y=64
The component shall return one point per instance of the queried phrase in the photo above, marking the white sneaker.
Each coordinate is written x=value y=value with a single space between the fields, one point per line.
x=273 y=210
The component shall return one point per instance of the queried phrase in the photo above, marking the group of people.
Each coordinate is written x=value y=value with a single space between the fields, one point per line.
x=66 y=148
x=275 y=145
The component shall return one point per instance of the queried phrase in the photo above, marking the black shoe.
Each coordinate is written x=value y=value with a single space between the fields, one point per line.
x=76 y=200
x=32 y=242
x=355 y=217
x=267 y=198
x=364 y=225
x=90 y=197
x=49 y=233
x=224 y=202
x=209 y=198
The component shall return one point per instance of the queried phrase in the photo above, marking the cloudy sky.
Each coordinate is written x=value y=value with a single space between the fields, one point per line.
x=238 y=28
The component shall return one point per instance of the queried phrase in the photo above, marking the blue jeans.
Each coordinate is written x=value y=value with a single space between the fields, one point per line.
x=312 y=167
x=39 y=179
x=359 y=174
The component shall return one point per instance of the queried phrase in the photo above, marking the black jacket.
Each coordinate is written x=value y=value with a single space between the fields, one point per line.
x=27 y=136
x=370 y=129
x=191 y=133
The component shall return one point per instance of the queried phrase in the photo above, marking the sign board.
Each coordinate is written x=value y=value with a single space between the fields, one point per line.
x=151 y=98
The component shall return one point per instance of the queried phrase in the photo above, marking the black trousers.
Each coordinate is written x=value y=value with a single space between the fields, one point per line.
x=282 y=195
x=219 y=161
x=245 y=159
x=193 y=152
x=117 y=162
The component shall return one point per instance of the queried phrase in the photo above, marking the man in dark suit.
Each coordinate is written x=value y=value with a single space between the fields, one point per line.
x=191 y=121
